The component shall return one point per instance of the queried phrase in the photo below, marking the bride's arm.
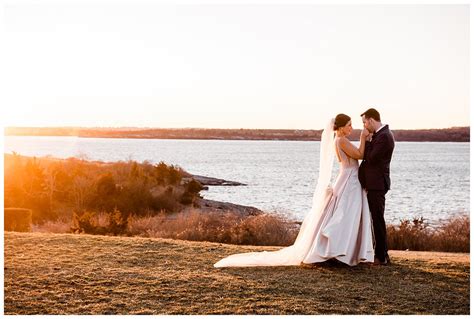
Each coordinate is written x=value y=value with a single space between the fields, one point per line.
x=351 y=150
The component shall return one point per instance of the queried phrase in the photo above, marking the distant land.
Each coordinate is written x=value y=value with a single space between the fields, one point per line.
x=454 y=134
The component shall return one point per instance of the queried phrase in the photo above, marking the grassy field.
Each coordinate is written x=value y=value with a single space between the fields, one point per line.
x=85 y=274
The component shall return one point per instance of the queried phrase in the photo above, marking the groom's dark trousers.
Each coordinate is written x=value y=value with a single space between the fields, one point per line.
x=374 y=176
x=376 y=201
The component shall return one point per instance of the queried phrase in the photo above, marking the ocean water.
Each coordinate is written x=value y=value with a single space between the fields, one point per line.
x=428 y=179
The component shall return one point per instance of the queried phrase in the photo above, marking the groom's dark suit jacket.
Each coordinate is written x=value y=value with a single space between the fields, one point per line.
x=374 y=171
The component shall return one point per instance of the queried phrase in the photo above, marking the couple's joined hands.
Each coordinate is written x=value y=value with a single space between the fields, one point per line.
x=365 y=135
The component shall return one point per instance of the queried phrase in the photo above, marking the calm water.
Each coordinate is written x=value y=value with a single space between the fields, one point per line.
x=428 y=179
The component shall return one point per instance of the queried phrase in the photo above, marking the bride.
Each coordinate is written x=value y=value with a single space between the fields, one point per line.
x=339 y=225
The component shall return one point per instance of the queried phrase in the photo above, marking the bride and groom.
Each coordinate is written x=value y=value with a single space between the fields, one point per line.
x=346 y=221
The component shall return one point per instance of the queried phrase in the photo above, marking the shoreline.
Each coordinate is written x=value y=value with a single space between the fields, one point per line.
x=231 y=139
x=453 y=134
x=353 y=139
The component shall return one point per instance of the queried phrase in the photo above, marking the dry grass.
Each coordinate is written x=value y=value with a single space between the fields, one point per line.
x=452 y=236
x=216 y=226
x=230 y=227
x=54 y=227
x=221 y=227
x=84 y=274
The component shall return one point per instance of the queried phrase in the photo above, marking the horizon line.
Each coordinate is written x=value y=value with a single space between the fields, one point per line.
x=211 y=128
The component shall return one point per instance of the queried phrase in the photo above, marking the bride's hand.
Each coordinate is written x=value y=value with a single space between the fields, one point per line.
x=364 y=134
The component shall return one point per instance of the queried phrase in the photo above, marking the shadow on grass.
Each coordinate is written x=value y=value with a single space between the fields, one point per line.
x=404 y=287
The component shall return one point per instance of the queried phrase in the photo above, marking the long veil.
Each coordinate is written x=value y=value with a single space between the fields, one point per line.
x=295 y=254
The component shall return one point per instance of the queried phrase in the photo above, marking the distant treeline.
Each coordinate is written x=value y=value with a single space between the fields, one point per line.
x=454 y=134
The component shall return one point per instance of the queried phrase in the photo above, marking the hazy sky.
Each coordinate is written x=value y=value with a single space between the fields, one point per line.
x=271 y=65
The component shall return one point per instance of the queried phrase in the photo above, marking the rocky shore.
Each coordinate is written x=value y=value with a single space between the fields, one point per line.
x=207 y=205
x=211 y=181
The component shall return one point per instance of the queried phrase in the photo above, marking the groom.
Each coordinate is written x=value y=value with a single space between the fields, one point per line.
x=374 y=176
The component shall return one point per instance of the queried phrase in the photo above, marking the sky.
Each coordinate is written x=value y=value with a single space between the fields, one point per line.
x=250 y=65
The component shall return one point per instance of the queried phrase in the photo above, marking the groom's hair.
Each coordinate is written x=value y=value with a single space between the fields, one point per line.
x=372 y=114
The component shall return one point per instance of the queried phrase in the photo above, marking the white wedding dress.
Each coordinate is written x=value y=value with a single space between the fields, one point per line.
x=337 y=226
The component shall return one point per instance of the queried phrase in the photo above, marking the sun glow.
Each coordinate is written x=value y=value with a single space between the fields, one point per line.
x=224 y=66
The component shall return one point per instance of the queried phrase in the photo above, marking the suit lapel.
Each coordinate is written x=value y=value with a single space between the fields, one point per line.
x=379 y=132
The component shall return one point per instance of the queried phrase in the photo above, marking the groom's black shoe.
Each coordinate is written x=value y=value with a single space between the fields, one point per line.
x=377 y=262
x=314 y=265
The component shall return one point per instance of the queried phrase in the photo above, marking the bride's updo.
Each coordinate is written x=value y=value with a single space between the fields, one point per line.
x=341 y=121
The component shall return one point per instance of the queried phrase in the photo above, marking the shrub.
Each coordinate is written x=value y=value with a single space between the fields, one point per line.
x=223 y=227
x=18 y=219
x=191 y=191
x=55 y=188
x=266 y=230
x=167 y=201
x=118 y=223
x=134 y=197
x=413 y=235
x=106 y=192
x=84 y=223
x=165 y=174
x=106 y=223
x=161 y=173
x=174 y=175
x=452 y=236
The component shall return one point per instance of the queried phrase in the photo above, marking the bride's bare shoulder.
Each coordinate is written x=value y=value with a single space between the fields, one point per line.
x=343 y=140
x=345 y=144
x=340 y=138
